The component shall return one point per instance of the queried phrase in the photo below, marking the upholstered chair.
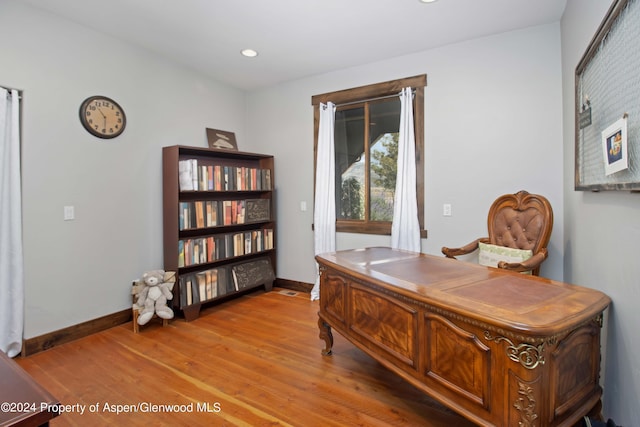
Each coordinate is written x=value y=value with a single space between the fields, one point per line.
x=519 y=228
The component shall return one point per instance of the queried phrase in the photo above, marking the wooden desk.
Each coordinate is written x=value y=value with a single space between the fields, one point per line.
x=499 y=348
x=24 y=402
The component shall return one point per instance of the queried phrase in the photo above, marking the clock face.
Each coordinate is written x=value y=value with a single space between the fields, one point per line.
x=102 y=117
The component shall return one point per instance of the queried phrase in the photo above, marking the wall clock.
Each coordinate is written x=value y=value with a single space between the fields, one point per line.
x=102 y=117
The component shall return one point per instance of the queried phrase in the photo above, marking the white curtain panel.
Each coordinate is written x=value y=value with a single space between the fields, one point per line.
x=324 y=213
x=405 y=228
x=11 y=263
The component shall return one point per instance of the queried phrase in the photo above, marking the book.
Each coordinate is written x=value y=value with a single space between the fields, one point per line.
x=194 y=173
x=254 y=241
x=260 y=240
x=182 y=211
x=185 y=175
x=239 y=179
x=228 y=212
x=228 y=243
x=207 y=283
x=267 y=179
x=220 y=247
x=187 y=252
x=183 y=289
x=241 y=212
x=196 y=252
x=194 y=289
x=238 y=244
x=223 y=282
x=233 y=185
x=211 y=249
x=203 y=250
x=234 y=212
x=201 y=279
x=207 y=216
x=247 y=243
x=269 y=244
x=202 y=178
x=180 y=253
x=214 y=283
x=215 y=209
x=217 y=178
x=200 y=214
x=189 y=291
x=253 y=178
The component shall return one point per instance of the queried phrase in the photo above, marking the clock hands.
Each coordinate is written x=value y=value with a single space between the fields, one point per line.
x=103 y=116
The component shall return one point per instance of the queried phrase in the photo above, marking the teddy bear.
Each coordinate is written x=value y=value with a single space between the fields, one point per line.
x=153 y=292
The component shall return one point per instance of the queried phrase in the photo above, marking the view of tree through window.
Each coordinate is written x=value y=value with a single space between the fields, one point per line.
x=366 y=142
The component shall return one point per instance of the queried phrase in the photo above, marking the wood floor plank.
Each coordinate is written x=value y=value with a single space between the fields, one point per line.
x=252 y=361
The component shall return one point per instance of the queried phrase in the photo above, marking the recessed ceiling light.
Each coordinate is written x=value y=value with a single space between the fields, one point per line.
x=249 y=53
x=428 y=1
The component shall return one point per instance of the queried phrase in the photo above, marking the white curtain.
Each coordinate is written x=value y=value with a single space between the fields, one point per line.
x=405 y=228
x=324 y=213
x=11 y=264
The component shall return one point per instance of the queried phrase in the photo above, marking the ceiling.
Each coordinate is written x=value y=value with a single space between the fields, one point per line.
x=296 y=38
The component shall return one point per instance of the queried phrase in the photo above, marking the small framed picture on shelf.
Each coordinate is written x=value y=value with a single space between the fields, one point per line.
x=221 y=140
x=614 y=146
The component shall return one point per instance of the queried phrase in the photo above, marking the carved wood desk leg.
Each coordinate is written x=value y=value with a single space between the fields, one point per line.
x=596 y=411
x=326 y=335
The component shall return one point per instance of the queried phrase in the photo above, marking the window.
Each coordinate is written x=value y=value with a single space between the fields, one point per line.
x=366 y=148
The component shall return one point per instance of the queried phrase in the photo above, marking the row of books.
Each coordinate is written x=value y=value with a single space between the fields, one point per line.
x=216 y=282
x=201 y=250
x=204 y=285
x=205 y=177
x=211 y=213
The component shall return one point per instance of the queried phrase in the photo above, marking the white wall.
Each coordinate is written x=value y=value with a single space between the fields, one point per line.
x=80 y=270
x=493 y=125
x=602 y=231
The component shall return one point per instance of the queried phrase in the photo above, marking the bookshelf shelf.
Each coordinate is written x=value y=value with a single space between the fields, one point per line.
x=219 y=224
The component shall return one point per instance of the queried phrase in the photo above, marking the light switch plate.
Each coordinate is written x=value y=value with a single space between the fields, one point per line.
x=69 y=213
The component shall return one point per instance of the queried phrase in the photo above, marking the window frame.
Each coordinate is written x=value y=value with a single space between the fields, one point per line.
x=371 y=92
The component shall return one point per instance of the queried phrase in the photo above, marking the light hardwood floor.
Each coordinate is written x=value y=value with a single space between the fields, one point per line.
x=252 y=361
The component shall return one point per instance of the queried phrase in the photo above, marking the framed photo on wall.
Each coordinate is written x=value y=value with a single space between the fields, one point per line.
x=614 y=145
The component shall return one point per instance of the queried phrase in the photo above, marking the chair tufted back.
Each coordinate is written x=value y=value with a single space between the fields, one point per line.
x=520 y=221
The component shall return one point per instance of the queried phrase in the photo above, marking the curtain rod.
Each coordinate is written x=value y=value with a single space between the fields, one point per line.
x=413 y=91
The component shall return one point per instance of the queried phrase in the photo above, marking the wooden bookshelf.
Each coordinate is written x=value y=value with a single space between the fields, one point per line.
x=219 y=224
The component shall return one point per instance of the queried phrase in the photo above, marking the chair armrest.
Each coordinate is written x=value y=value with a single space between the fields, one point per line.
x=532 y=263
x=466 y=249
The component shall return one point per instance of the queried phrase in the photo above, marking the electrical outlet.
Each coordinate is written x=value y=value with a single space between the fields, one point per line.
x=446 y=209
